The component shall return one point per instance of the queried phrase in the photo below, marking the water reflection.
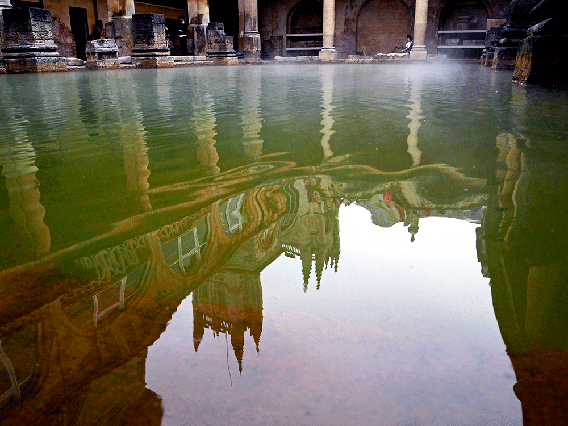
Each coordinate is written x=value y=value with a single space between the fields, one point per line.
x=524 y=251
x=77 y=315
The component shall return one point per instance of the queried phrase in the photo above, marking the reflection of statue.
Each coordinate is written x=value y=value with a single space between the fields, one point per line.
x=525 y=239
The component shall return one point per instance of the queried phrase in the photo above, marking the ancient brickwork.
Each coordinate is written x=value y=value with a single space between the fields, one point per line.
x=149 y=41
x=29 y=44
x=219 y=44
x=102 y=53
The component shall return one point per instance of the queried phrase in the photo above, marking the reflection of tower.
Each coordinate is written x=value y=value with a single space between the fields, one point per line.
x=415 y=116
x=313 y=231
x=229 y=302
x=327 y=118
x=204 y=125
x=252 y=121
x=19 y=169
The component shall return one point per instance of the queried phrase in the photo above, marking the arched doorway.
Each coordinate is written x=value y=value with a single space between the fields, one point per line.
x=306 y=18
x=382 y=26
x=464 y=15
x=304 y=32
x=461 y=30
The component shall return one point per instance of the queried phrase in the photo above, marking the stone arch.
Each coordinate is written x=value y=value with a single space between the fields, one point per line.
x=305 y=17
x=382 y=26
x=464 y=15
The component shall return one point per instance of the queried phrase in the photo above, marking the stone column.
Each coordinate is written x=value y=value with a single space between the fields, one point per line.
x=29 y=45
x=203 y=12
x=129 y=9
x=149 y=41
x=420 y=21
x=249 y=36
x=328 y=51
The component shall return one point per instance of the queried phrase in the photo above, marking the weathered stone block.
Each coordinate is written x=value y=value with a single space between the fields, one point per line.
x=219 y=44
x=149 y=33
x=198 y=33
x=102 y=53
x=29 y=45
x=504 y=57
x=150 y=48
x=120 y=29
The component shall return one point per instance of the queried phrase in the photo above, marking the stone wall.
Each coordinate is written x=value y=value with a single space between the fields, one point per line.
x=377 y=25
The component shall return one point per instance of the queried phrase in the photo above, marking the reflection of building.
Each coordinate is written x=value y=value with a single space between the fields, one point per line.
x=230 y=302
x=522 y=245
x=102 y=303
x=311 y=230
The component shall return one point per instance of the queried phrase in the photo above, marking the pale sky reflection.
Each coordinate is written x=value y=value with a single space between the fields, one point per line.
x=403 y=333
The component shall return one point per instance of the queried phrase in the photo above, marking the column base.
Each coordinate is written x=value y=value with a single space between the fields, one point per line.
x=35 y=64
x=251 y=46
x=328 y=54
x=418 y=52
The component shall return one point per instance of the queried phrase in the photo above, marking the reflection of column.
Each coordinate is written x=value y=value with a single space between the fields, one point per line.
x=252 y=120
x=328 y=51
x=19 y=169
x=327 y=121
x=415 y=116
x=136 y=166
x=248 y=23
x=420 y=21
x=204 y=124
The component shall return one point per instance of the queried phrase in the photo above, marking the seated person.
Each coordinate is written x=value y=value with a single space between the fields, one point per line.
x=408 y=46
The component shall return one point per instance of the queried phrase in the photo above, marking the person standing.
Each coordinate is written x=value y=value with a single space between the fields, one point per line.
x=182 y=35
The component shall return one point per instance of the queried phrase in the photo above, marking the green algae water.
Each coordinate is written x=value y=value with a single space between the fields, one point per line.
x=283 y=245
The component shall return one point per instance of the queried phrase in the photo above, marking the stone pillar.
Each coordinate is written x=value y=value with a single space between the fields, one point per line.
x=29 y=45
x=122 y=27
x=249 y=36
x=150 y=49
x=420 y=22
x=129 y=9
x=328 y=51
